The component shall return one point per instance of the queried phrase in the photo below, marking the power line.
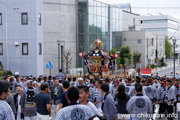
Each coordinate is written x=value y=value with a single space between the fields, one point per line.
x=175 y=32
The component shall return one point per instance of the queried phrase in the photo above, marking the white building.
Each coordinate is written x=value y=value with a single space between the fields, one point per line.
x=161 y=25
x=21 y=36
x=146 y=43
x=60 y=21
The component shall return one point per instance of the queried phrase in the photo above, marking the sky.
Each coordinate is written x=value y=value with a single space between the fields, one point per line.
x=153 y=7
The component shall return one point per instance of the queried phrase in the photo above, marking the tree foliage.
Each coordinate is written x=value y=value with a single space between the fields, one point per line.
x=168 y=48
x=125 y=56
x=136 y=58
x=3 y=72
x=112 y=51
x=67 y=61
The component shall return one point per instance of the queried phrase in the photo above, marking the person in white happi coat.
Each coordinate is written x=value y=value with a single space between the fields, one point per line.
x=139 y=104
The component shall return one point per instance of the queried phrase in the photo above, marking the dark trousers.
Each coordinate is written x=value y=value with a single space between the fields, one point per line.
x=176 y=106
x=169 y=111
x=153 y=107
x=162 y=108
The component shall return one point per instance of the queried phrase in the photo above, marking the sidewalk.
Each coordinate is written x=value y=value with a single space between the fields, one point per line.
x=165 y=67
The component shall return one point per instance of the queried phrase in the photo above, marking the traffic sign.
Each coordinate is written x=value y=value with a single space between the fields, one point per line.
x=120 y=65
x=139 y=61
x=49 y=65
x=156 y=59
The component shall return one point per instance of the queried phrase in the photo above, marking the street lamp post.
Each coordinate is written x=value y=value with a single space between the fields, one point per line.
x=59 y=44
x=81 y=56
x=174 y=44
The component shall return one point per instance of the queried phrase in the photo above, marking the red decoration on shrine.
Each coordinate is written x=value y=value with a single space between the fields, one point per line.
x=90 y=64
x=80 y=54
x=105 y=53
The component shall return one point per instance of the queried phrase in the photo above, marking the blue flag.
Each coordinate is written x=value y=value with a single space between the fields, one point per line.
x=49 y=65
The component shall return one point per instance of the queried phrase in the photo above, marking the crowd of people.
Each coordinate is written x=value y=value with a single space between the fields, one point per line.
x=84 y=98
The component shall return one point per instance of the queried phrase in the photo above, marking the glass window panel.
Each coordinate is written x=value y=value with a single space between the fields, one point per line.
x=0 y=18
x=81 y=42
x=40 y=49
x=139 y=41
x=91 y=24
x=113 y=25
x=81 y=23
x=24 y=18
x=99 y=24
x=118 y=27
x=113 y=13
x=24 y=48
x=91 y=6
x=95 y=20
x=107 y=10
x=99 y=12
x=103 y=25
x=107 y=25
x=103 y=10
x=107 y=43
x=39 y=18
x=1 y=48
x=95 y=7
x=99 y=36
x=92 y=37
x=91 y=19
x=117 y=13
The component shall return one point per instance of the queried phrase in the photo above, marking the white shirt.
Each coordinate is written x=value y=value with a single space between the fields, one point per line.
x=19 y=106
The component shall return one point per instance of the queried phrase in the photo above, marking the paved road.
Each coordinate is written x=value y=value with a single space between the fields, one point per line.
x=167 y=71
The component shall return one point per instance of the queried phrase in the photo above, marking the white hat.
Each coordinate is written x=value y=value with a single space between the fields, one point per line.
x=80 y=79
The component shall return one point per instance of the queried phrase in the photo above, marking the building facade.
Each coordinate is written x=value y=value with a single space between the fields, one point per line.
x=162 y=25
x=60 y=22
x=93 y=23
x=151 y=46
x=21 y=36
x=29 y=31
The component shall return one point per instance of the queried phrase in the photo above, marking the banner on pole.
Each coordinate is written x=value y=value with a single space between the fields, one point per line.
x=146 y=71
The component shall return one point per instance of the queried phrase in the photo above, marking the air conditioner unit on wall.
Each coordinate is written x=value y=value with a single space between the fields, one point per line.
x=16 y=43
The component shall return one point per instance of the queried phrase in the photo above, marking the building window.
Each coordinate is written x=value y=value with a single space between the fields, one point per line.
x=39 y=19
x=0 y=18
x=152 y=51
x=1 y=48
x=124 y=39
x=176 y=46
x=152 y=41
x=139 y=41
x=161 y=51
x=40 y=49
x=24 y=48
x=24 y=18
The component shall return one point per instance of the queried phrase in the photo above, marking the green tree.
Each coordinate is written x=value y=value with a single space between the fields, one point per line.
x=113 y=51
x=3 y=72
x=168 y=48
x=67 y=61
x=125 y=56
x=136 y=58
